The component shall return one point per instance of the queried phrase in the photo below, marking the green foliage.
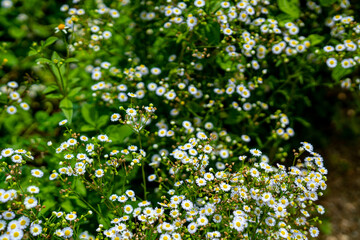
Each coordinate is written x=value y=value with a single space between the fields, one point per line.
x=136 y=104
x=290 y=7
x=118 y=133
x=327 y=3
x=67 y=107
x=316 y=39
x=340 y=72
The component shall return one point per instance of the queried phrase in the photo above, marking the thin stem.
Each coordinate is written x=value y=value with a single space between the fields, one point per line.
x=142 y=169
x=258 y=224
x=89 y=205
x=67 y=55
x=62 y=80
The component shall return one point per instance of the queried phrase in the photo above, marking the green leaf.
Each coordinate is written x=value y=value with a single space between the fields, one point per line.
x=67 y=107
x=210 y=31
x=41 y=116
x=290 y=7
x=194 y=108
x=32 y=52
x=339 y=72
x=102 y=121
x=50 y=88
x=226 y=63
x=283 y=18
x=55 y=56
x=74 y=91
x=213 y=33
x=80 y=188
x=50 y=41
x=2 y=176
x=326 y=227
x=17 y=33
x=233 y=120
x=284 y=93
x=70 y=60
x=259 y=142
x=302 y=121
x=80 y=203
x=316 y=39
x=54 y=96
x=67 y=206
x=326 y=3
x=56 y=72
x=179 y=38
x=48 y=205
x=214 y=6
x=278 y=63
x=12 y=59
x=41 y=31
x=223 y=115
x=89 y=114
x=74 y=80
x=101 y=220
x=43 y=61
x=118 y=133
x=87 y=128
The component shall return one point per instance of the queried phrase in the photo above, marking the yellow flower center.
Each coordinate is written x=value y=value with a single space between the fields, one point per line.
x=61 y=26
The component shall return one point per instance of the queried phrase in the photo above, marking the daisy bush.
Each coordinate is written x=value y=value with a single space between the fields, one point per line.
x=168 y=119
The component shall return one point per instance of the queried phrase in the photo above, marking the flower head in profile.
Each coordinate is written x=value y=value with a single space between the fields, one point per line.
x=63 y=122
x=61 y=27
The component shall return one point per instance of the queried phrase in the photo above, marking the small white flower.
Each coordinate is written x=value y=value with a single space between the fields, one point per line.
x=201 y=182
x=151 y=177
x=192 y=228
x=255 y=152
x=63 y=122
x=71 y=216
x=35 y=229
x=225 y=187
x=227 y=31
x=283 y=233
x=30 y=202
x=131 y=112
x=7 y=152
x=33 y=189
x=68 y=232
x=103 y=138
x=11 y=109
x=331 y=62
x=37 y=173
x=53 y=176
x=99 y=173
x=61 y=27
x=115 y=117
x=202 y=221
x=199 y=3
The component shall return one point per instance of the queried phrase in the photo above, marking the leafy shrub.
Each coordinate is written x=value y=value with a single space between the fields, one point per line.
x=194 y=107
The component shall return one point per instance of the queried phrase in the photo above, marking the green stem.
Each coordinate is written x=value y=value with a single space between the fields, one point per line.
x=258 y=224
x=143 y=168
x=183 y=47
x=89 y=205
x=62 y=81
